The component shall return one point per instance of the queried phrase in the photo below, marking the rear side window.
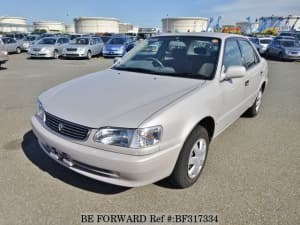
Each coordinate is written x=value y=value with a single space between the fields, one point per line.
x=248 y=53
x=232 y=54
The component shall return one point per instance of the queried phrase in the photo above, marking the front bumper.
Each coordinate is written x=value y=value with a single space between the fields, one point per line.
x=41 y=54
x=74 y=55
x=112 y=53
x=291 y=56
x=102 y=165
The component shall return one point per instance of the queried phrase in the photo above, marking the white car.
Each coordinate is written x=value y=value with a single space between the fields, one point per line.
x=154 y=113
x=264 y=43
x=83 y=47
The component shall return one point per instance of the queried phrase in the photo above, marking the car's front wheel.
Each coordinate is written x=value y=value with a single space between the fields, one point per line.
x=192 y=159
x=89 y=55
x=55 y=54
x=18 y=50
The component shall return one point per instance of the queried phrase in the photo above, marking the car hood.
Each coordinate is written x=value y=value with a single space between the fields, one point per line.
x=76 y=46
x=292 y=49
x=114 y=98
x=113 y=46
x=43 y=46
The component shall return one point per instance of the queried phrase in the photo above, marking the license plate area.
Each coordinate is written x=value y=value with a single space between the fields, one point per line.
x=59 y=155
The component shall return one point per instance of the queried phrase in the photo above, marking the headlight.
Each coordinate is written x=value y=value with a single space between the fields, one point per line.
x=43 y=49
x=133 y=138
x=40 y=112
x=145 y=137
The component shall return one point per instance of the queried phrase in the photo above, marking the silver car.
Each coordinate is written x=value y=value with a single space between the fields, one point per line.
x=28 y=41
x=11 y=45
x=3 y=53
x=48 y=47
x=83 y=47
x=154 y=113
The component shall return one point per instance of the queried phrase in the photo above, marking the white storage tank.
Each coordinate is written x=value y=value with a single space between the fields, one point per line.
x=184 y=24
x=96 y=25
x=10 y=24
x=49 y=25
x=70 y=28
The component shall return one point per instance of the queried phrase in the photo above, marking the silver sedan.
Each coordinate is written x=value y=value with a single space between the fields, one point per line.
x=83 y=47
x=154 y=113
x=48 y=47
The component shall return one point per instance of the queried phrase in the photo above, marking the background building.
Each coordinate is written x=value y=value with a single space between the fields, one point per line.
x=184 y=24
x=49 y=26
x=70 y=28
x=96 y=25
x=9 y=24
x=125 y=27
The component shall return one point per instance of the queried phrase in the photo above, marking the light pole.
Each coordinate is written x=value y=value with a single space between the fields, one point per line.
x=167 y=23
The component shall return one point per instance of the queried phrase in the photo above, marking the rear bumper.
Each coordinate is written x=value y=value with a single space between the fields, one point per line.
x=102 y=165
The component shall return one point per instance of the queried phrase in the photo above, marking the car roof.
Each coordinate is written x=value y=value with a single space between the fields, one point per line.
x=204 y=34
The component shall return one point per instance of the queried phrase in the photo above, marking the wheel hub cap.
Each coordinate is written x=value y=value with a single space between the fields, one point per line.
x=197 y=158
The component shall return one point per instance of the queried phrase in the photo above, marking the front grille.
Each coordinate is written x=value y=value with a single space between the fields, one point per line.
x=36 y=49
x=73 y=54
x=66 y=128
x=72 y=49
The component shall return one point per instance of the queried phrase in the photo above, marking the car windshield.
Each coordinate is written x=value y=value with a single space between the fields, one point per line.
x=116 y=41
x=9 y=35
x=289 y=43
x=105 y=38
x=47 y=41
x=265 y=41
x=81 y=41
x=177 y=56
x=30 y=38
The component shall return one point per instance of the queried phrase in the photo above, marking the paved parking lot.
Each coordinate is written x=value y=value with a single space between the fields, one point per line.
x=251 y=176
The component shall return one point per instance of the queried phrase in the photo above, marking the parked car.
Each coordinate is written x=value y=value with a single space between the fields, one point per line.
x=284 y=49
x=18 y=36
x=255 y=42
x=154 y=113
x=83 y=47
x=11 y=45
x=48 y=47
x=117 y=46
x=3 y=53
x=28 y=41
x=264 y=43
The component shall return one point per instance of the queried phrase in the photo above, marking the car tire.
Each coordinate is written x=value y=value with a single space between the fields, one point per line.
x=191 y=159
x=254 y=109
x=89 y=55
x=55 y=54
x=18 y=50
x=267 y=55
x=280 y=56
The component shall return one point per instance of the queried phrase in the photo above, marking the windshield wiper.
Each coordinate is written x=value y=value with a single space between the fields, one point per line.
x=136 y=69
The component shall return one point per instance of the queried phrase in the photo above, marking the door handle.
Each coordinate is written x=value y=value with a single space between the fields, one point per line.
x=247 y=83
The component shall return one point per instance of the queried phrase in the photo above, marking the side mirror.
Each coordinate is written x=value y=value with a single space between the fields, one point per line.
x=234 y=72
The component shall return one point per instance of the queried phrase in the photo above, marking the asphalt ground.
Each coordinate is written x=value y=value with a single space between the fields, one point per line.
x=252 y=174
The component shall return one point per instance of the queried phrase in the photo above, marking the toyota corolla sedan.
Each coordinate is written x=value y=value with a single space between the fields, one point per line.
x=154 y=113
x=48 y=47
x=83 y=47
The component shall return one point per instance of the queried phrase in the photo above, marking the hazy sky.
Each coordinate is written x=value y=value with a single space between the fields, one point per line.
x=147 y=13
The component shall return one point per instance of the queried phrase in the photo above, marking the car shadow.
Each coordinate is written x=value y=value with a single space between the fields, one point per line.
x=36 y=155
x=3 y=68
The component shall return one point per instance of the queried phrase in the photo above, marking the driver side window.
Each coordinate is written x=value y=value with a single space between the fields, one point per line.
x=232 y=54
